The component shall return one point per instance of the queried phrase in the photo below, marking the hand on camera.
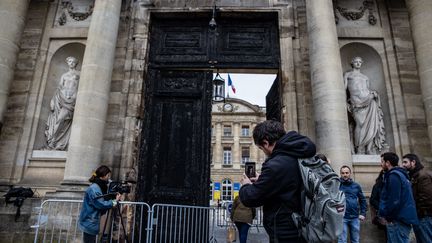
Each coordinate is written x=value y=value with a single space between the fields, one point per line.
x=118 y=196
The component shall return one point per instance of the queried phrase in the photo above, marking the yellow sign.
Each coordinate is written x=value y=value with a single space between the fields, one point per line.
x=216 y=195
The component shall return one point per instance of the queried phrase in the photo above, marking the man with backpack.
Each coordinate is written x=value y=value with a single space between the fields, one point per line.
x=356 y=206
x=397 y=207
x=278 y=188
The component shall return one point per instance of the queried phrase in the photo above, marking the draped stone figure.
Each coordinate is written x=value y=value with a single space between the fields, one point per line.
x=365 y=107
x=58 y=126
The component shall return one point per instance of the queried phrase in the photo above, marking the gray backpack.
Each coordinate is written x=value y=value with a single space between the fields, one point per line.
x=323 y=204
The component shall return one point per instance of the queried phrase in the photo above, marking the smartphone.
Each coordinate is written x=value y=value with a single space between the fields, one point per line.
x=250 y=169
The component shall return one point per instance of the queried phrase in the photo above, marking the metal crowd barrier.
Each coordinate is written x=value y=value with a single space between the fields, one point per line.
x=57 y=221
x=223 y=215
x=182 y=224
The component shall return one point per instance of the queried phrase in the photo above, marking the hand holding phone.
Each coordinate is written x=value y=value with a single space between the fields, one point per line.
x=250 y=169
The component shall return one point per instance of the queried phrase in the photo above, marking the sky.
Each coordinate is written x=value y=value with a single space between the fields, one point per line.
x=250 y=87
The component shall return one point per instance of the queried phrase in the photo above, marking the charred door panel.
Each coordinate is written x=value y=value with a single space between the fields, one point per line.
x=176 y=142
x=248 y=42
x=273 y=102
x=239 y=41
x=179 y=42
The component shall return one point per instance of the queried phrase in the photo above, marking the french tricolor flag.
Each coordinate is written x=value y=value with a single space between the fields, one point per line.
x=231 y=84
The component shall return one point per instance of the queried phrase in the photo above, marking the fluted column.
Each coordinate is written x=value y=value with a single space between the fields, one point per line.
x=328 y=91
x=12 y=19
x=85 y=145
x=420 y=12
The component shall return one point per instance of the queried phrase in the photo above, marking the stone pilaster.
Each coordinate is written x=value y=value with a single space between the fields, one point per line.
x=236 y=146
x=420 y=12
x=12 y=19
x=217 y=152
x=328 y=91
x=85 y=144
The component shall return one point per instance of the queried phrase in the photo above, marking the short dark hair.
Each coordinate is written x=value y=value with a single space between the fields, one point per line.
x=321 y=157
x=269 y=130
x=345 y=166
x=413 y=157
x=391 y=157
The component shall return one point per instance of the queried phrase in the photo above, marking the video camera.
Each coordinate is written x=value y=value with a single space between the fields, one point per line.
x=115 y=187
x=119 y=187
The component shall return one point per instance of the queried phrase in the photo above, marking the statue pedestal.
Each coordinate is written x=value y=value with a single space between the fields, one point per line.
x=366 y=169
x=45 y=170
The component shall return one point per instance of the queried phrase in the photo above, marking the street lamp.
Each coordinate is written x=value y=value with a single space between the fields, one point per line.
x=218 y=88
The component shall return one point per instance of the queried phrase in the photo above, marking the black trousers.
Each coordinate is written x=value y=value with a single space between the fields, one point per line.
x=88 y=238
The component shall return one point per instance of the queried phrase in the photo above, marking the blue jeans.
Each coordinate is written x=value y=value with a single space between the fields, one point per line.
x=398 y=232
x=423 y=231
x=243 y=229
x=353 y=226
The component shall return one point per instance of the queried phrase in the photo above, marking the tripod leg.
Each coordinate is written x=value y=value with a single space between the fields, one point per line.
x=105 y=224
x=122 y=225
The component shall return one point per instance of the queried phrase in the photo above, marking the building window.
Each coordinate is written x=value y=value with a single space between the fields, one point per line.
x=245 y=154
x=227 y=131
x=226 y=190
x=211 y=190
x=227 y=155
x=245 y=131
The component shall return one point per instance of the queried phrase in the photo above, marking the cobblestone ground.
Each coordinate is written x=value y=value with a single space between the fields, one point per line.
x=256 y=235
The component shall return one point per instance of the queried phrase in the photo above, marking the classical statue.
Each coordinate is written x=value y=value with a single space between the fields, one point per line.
x=58 y=125
x=365 y=107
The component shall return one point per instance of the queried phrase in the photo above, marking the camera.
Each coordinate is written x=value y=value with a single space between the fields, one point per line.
x=119 y=187
x=250 y=169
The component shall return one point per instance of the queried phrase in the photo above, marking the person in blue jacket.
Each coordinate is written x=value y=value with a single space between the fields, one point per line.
x=356 y=206
x=397 y=207
x=94 y=206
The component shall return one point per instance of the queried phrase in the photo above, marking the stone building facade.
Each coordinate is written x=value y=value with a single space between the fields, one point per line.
x=232 y=145
x=111 y=39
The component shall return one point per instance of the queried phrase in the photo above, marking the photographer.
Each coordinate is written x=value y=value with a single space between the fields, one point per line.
x=95 y=205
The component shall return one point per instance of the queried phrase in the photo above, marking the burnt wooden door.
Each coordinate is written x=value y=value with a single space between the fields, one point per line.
x=175 y=146
x=273 y=102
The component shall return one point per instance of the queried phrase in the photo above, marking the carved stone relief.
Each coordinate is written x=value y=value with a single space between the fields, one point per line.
x=75 y=11
x=357 y=13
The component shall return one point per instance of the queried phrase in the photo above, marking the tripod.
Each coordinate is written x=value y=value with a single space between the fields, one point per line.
x=114 y=213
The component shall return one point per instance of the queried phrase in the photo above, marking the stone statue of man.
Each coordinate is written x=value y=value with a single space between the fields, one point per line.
x=58 y=125
x=365 y=107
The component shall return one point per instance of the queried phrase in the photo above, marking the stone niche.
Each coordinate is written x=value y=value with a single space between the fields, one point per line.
x=373 y=68
x=367 y=167
x=41 y=161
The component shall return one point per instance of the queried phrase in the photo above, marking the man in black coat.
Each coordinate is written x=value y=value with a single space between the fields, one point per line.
x=279 y=185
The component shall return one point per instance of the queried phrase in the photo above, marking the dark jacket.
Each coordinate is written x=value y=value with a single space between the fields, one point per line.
x=397 y=202
x=279 y=185
x=92 y=209
x=355 y=200
x=421 y=180
x=374 y=199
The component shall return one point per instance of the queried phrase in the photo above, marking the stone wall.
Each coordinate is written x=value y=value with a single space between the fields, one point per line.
x=419 y=142
x=19 y=97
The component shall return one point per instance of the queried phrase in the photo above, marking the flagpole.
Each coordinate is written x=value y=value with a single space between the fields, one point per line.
x=228 y=88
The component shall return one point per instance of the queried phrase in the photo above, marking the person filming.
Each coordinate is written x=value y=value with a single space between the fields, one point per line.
x=94 y=204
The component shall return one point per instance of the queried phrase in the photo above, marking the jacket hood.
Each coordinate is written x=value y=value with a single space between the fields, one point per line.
x=400 y=169
x=295 y=145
